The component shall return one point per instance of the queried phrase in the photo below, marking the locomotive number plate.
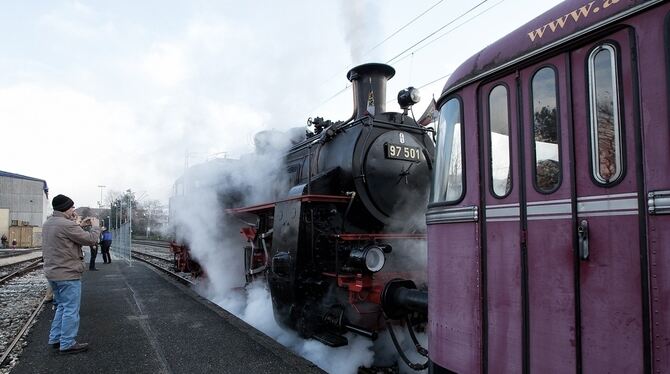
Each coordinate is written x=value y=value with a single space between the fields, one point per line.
x=402 y=152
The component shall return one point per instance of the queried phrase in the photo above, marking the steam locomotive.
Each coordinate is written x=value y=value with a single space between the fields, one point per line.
x=336 y=245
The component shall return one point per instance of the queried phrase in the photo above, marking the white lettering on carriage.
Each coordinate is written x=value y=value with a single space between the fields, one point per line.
x=578 y=14
x=607 y=3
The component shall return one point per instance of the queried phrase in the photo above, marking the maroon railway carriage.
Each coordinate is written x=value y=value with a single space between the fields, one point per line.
x=548 y=227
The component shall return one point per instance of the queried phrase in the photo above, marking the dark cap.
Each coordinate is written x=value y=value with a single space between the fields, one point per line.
x=62 y=203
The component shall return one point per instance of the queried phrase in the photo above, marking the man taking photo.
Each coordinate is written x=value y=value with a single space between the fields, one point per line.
x=62 y=239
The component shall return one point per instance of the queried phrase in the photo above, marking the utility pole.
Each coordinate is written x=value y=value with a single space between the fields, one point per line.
x=100 y=202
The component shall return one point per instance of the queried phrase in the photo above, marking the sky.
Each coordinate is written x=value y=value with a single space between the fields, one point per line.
x=126 y=94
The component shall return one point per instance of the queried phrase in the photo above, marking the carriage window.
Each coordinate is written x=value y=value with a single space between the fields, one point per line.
x=501 y=178
x=545 y=130
x=605 y=124
x=448 y=182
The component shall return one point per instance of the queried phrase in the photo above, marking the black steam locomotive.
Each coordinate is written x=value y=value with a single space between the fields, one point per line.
x=334 y=246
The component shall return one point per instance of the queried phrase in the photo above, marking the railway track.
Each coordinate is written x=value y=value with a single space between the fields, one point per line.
x=156 y=254
x=164 y=265
x=13 y=267
x=23 y=269
x=5 y=253
x=152 y=243
x=22 y=296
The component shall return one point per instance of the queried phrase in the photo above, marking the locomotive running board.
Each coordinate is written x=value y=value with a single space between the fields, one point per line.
x=255 y=209
x=331 y=339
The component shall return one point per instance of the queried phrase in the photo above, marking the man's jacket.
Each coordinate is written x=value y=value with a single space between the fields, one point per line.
x=106 y=236
x=61 y=247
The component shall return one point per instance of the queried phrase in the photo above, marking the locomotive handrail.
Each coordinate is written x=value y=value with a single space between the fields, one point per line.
x=302 y=198
x=334 y=130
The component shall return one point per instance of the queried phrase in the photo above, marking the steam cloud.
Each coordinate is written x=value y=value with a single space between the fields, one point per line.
x=199 y=219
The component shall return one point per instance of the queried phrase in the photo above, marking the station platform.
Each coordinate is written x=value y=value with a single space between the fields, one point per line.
x=137 y=320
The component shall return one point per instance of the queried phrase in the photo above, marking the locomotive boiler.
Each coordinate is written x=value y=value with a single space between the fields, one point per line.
x=336 y=242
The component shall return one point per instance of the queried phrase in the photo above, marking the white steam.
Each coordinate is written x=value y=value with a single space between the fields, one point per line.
x=257 y=311
x=199 y=218
x=361 y=22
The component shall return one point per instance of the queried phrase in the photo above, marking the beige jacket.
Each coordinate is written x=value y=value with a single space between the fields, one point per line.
x=61 y=247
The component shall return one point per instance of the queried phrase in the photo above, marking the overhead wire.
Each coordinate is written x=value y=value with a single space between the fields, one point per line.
x=375 y=47
x=451 y=30
x=421 y=41
x=388 y=38
x=403 y=27
x=436 y=31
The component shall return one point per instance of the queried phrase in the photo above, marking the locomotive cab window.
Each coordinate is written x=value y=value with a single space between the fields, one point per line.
x=545 y=130
x=448 y=182
x=501 y=177
x=605 y=124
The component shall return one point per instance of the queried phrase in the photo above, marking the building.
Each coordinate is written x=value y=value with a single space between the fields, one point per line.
x=24 y=201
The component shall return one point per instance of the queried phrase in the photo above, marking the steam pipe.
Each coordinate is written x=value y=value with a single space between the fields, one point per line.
x=413 y=300
x=400 y=297
x=372 y=335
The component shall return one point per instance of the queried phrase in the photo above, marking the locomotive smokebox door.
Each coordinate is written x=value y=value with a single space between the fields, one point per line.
x=396 y=170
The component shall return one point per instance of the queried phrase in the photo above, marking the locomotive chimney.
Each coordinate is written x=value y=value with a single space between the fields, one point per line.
x=369 y=83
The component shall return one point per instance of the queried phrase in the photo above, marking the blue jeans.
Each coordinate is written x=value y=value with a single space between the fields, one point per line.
x=67 y=297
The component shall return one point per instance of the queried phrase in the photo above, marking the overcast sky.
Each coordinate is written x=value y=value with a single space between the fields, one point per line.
x=121 y=93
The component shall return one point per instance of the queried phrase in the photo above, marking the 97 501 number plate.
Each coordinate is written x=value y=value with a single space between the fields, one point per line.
x=402 y=152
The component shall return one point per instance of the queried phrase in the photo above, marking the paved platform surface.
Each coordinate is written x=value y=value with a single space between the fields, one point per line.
x=139 y=321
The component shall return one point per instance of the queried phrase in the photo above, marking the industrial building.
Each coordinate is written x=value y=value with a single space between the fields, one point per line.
x=24 y=206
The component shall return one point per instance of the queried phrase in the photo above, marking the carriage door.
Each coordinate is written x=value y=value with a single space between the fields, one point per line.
x=504 y=304
x=548 y=261
x=611 y=260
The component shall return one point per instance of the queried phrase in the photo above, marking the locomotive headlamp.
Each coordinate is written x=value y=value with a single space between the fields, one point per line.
x=408 y=97
x=370 y=258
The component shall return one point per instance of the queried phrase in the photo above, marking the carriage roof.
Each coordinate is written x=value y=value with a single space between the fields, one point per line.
x=561 y=24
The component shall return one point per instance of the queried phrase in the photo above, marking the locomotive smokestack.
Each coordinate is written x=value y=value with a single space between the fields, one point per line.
x=369 y=83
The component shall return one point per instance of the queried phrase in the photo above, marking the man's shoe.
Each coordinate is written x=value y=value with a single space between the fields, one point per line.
x=55 y=345
x=93 y=269
x=76 y=348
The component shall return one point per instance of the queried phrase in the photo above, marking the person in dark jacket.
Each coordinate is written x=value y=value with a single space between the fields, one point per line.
x=94 y=252
x=62 y=239
x=105 y=243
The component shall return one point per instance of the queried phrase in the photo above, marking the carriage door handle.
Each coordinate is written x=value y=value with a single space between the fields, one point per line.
x=583 y=234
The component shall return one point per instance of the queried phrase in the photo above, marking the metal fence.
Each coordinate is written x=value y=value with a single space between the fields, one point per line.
x=121 y=242
x=121 y=220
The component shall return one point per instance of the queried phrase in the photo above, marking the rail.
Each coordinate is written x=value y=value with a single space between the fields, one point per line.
x=21 y=332
x=30 y=267
x=142 y=253
x=179 y=278
x=153 y=243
